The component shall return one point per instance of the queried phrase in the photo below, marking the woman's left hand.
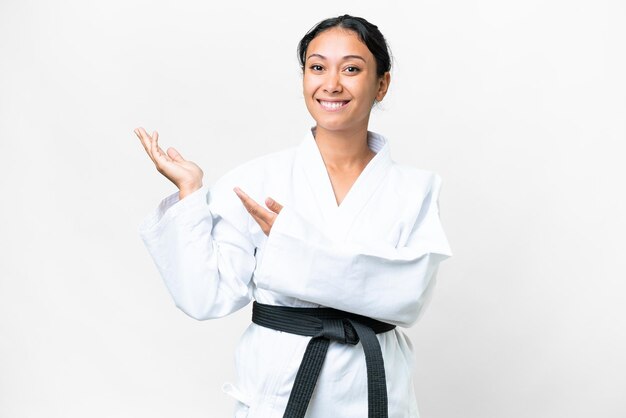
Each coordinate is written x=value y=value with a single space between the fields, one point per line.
x=262 y=216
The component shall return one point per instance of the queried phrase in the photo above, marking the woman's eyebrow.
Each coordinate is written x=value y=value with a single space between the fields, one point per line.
x=345 y=57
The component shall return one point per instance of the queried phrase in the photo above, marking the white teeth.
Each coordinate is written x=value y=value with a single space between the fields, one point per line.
x=332 y=105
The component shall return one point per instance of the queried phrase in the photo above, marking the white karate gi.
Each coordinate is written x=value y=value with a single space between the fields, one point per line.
x=376 y=254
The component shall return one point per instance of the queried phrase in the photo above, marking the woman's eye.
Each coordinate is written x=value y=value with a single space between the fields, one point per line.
x=316 y=67
x=353 y=70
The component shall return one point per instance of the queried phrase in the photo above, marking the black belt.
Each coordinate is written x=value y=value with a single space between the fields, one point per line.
x=324 y=325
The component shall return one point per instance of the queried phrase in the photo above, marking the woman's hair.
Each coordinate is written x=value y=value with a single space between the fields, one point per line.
x=368 y=33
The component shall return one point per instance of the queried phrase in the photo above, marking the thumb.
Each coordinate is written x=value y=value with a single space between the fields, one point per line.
x=174 y=155
x=273 y=205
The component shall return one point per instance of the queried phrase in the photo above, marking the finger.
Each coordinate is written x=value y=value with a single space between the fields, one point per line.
x=174 y=154
x=141 y=139
x=257 y=211
x=146 y=142
x=251 y=206
x=156 y=139
x=136 y=131
x=259 y=214
x=143 y=133
x=158 y=155
x=273 y=205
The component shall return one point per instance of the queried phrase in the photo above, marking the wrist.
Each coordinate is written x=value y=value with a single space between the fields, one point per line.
x=187 y=190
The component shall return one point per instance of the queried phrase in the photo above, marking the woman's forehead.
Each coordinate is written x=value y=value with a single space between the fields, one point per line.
x=337 y=43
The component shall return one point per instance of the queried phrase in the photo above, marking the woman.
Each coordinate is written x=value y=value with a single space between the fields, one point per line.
x=346 y=248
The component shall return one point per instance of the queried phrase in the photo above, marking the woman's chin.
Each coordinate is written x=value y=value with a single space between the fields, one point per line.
x=338 y=125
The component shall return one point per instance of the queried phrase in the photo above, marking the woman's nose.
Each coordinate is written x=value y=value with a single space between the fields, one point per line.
x=332 y=84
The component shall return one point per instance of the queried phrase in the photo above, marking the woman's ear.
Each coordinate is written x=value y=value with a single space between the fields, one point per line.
x=383 y=86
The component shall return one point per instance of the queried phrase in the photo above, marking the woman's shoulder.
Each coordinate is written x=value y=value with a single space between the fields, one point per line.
x=417 y=189
x=259 y=166
x=411 y=176
x=402 y=171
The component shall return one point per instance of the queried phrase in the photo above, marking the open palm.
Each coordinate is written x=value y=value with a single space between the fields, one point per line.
x=186 y=175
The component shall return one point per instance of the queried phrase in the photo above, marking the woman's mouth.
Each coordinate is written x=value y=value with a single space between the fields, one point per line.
x=333 y=106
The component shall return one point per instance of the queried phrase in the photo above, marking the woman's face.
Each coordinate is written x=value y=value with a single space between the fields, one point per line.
x=340 y=81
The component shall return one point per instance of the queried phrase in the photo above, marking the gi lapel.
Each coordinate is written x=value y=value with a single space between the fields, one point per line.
x=337 y=219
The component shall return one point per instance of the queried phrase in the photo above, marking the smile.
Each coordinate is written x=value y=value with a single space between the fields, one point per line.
x=333 y=106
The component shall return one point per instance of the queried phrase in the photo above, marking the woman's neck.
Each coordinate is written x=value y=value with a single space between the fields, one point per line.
x=343 y=150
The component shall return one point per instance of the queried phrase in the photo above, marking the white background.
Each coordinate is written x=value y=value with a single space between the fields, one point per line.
x=520 y=106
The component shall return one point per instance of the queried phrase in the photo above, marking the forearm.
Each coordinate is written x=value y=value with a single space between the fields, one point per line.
x=380 y=281
x=206 y=266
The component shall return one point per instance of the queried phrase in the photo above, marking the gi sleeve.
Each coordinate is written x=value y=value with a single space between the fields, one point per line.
x=202 y=250
x=377 y=280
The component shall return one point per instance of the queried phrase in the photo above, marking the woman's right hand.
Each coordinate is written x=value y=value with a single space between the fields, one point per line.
x=186 y=175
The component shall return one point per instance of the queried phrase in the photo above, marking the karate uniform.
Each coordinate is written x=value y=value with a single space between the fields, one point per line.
x=376 y=254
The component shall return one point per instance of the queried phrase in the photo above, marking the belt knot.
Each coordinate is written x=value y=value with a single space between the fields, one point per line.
x=340 y=330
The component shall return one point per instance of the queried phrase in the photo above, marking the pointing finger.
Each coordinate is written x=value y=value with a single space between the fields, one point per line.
x=257 y=211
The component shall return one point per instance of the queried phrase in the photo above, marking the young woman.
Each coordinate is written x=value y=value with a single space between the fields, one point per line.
x=345 y=249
